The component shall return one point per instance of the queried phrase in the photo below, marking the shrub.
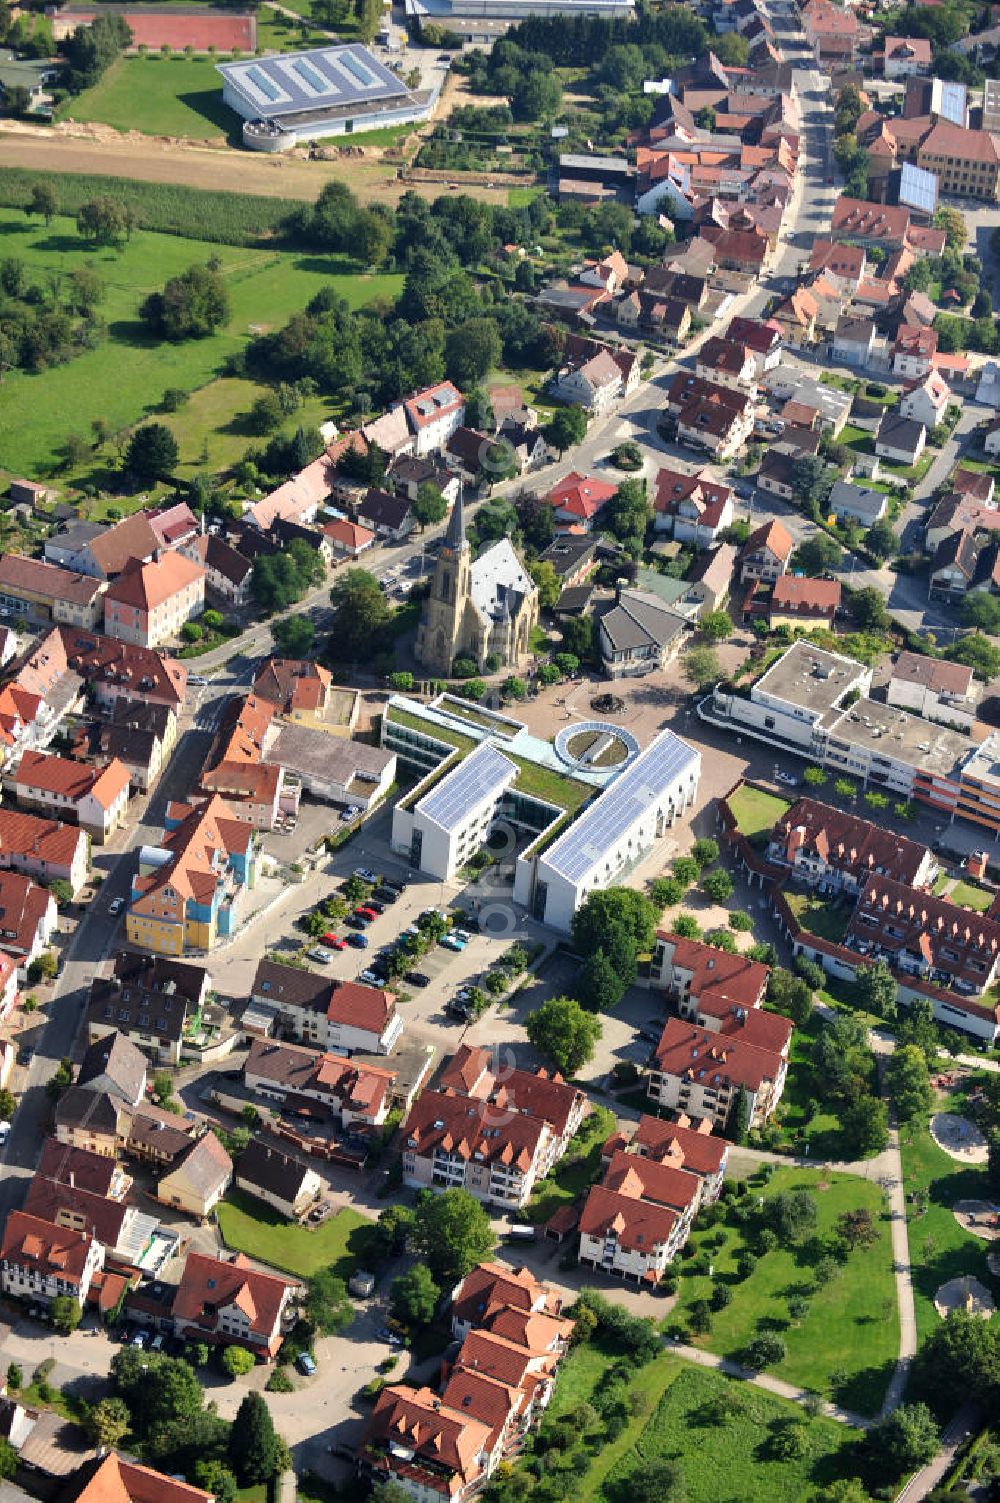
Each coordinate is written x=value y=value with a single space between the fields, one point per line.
x=279 y=1382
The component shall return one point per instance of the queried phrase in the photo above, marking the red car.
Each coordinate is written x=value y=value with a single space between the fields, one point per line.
x=334 y=941
x=365 y=912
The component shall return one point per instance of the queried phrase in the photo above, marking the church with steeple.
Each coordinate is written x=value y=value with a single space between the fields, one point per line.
x=487 y=608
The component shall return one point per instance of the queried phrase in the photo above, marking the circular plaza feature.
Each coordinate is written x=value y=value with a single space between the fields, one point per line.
x=959 y=1138
x=966 y=1294
x=596 y=746
x=980 y=1217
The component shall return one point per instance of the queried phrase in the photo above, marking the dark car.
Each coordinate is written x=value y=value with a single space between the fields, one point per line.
x=373 y=906
x=357 y=921
x=387 y=895
x=417 y=978
x=359 y=941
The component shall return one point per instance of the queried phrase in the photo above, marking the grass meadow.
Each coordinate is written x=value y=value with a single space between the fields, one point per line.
x=123 y=379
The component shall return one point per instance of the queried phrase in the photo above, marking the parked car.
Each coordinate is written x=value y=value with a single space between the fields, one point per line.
x=305 y=1364
x=417 y=978
x=359 y=941
x=365 y=912
x=369 y=977
x=452 y=942
x=4 y=1132
x=787 y=777
x=321 y=956
x=334 y=941
x=358 y=921
x=386 y=894
x=374 y=906
x=115 y=906
x=462 y=934
x=366 y=874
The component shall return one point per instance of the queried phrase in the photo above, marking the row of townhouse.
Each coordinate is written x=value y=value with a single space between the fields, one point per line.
x=449 y=1443
x=654 y=1183
x=494 y=1131
x=938 y=950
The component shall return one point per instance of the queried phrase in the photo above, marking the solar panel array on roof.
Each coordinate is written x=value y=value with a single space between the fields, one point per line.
x=484 y=773
x=324 y=77
x=632 y=793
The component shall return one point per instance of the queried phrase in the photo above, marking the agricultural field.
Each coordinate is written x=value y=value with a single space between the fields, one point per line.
x=719 y=1432
x=845 y=1345
x=123 y=379
x=161 y=96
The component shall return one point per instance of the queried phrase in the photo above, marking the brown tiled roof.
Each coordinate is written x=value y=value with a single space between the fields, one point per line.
x=18 y=574
x=206 y=1166
x=114 y=1479
x=640 y=1225
x=686 y=1050
x=132 y=538
x=120 y=1061
x=23 y=906
x=94 y=1215
x=46 y=840
x=207 y=1284
x=367 y=1007
x=146 y=586
x=465 y=1127
x=847 y=842
x=740 y=980
x=647 y=1179
x=932 y=673
x=792 y=593
x=55 y=1251
x=78 y=1166
x=701 y=1152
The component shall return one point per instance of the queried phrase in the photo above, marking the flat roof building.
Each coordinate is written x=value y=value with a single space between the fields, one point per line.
x=326 y=91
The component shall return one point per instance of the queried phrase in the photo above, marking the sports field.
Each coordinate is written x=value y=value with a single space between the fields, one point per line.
x=123 y=379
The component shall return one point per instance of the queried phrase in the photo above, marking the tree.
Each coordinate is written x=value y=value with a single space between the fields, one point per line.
x=857 y=1227
x=665 y=892
x=359 y=610
x=547 y=582
x=790 y=994
x=89 y=50
x=266 y=415
x=842 y=1058
x=66 y=1314
x=599 y=986
x=908 y=1439
x=704 y=852
x=655 y=1481
x=868 y=609
x=978 y=653
x=567 y=428
x=981 y=611
x=811 y=480
x=104 y=221
x=328 y=1303
x=961 y=1355
x=216 y=1478
x=9 y=1461
x=430 y=506
x=43 y=200
x=536 y=96
x=451 y=1231
x=613 y=916
x=881 y=540
x=236 y=1361
x=479 y=410
x=954 y=226
x=738 y=1125
x=415 y=1296
x=701 y=667
x=687 y=926
x=766 y=1350
x=718 y=885
x=908 y=1083
x=792 y=1214
x=472 y=350
x=152 y=454
x=163 y=1395
x=685 y=869
x=294 y=636
x=566 y=1034
x=877 y=990
x=716 y=626
x=253 y=1446
x=865 y=1126
x=108 y=1422
x=191 y=305
x=815 y=555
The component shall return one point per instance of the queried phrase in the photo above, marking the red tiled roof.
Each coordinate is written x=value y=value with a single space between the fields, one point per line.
x=640 y=1225
x=646 y=1179
x=146 y=586
x=54 y=1251
x=29 y=835
x=734 y=977
x=772 y=535
x=113 y=1479
x=792 y=593
x=207 y=1284
x=688 y=1051
x=701 y=1152
x=581 y=495
x=367 y=1007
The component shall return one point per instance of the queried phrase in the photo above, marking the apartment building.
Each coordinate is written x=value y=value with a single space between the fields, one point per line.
x=290 y=1075
x=698 y=977
x=965 y=162
x=148 y=603
x=685 y=1142
x=228 y=1302
x=340 y=1016
x=704 y=1072
x=838 y=852
x=42 y=592
x=40 y=1261
x=189 y=891
x=433 y=415
x=150 y=1000
x=926 y=936
x=944 y=692
x=638 y=1218
x=692 y=508
x=45 y=849
x=766 y=553
x=94 y=798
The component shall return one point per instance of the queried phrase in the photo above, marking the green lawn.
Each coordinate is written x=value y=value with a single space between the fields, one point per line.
x=939 y=1248
x=716 y=1428
x=756 y=811
x=968 y=895
x=249 y=1226
x=162 y=96
x=211 y=429
x=123 y=379
x=828 y=919
x=577 y=1171
x=851 y=1330
x=554 y=787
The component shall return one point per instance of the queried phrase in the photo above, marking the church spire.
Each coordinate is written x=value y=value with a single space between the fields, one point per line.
x=454 y=538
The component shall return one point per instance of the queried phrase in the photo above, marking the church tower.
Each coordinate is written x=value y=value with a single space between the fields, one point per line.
x=440 y=633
